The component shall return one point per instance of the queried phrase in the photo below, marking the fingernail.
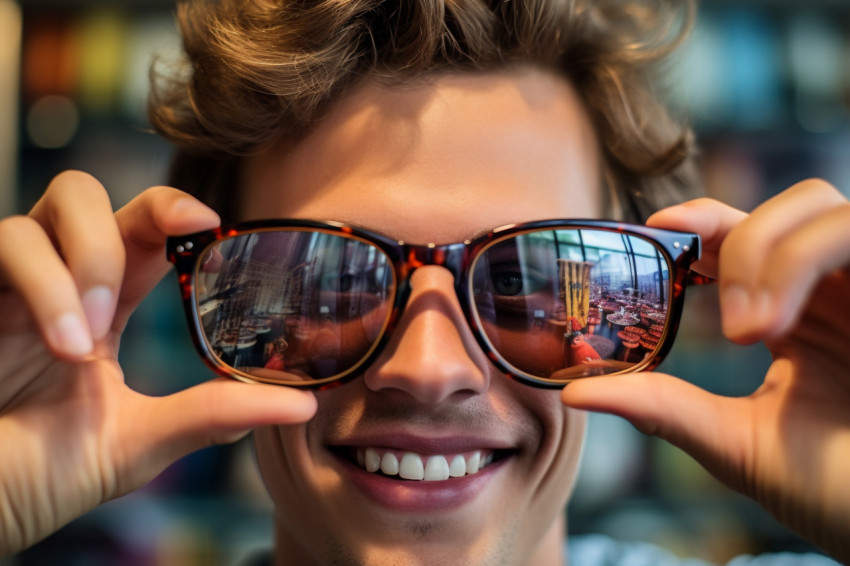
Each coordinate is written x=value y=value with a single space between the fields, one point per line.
x=70 y=335
x=735 y=305
x=98 y=304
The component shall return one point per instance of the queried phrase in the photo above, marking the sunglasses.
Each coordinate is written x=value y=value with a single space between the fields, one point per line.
x=310 y=304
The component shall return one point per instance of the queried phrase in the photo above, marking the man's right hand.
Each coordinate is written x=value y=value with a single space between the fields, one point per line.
x=72 y=434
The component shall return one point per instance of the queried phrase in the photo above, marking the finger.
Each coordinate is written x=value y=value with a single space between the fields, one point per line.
x=76 y=214
x=222 y=411
x=706 y=426
x=32 y=268
x=745 y=298
x=145 y=223
x=796 y=264
x=709 y=218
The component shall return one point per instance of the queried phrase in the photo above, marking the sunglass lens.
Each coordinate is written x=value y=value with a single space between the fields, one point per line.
x=293 y=306
x=569 y=303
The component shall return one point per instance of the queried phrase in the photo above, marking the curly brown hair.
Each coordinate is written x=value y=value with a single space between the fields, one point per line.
x=263 y=70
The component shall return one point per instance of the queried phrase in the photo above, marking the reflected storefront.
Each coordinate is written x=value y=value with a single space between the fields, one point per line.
x=591 y=302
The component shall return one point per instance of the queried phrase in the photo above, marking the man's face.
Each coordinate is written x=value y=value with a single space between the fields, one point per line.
x=436 y=162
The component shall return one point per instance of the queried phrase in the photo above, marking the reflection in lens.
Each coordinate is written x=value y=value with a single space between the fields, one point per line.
x=569 y=303
x=293 y=306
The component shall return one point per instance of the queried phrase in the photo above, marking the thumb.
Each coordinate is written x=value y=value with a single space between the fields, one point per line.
x=709 y=427
x=223 y=410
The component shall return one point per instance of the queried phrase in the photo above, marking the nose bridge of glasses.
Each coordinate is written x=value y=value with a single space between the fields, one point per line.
x=449 y=256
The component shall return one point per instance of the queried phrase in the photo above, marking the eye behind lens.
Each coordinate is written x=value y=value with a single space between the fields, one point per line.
x=598 y=283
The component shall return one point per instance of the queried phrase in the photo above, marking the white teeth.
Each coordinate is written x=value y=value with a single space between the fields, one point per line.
x=371 y=459
x=473 y=463
x=458 y=467
x=389 y=464
x=413 y=466
x=437 y=469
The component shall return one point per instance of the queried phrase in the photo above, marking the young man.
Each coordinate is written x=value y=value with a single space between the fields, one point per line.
x=433 y=125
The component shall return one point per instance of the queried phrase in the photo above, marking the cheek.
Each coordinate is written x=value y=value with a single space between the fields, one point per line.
x=278 y=451
x=552 y=473
x=562 y=472
x=561 y=440
x=566 y=463
x=295 y=467
x=270 y=458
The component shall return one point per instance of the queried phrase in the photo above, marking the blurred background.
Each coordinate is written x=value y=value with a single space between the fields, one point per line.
x=767 y=85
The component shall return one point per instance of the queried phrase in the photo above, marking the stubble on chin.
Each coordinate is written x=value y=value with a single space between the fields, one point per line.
x=335 y=552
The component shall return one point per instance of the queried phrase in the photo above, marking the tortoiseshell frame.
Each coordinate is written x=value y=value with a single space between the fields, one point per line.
x=679 y=248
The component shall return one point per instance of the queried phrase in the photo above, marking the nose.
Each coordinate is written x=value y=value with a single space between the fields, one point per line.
x=432 y=354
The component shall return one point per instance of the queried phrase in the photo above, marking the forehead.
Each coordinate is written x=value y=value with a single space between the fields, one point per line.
x=438 y=160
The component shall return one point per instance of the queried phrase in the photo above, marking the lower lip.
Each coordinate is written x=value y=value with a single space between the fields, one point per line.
x=419 y=496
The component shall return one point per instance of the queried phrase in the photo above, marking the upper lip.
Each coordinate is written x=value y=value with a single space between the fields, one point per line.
x=421 y=444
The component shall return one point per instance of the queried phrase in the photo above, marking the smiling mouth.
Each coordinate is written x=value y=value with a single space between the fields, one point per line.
x=417 y=467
